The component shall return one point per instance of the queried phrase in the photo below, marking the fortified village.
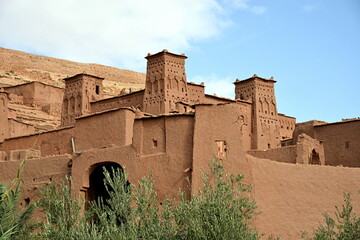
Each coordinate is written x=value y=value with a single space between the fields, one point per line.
x=172 y=129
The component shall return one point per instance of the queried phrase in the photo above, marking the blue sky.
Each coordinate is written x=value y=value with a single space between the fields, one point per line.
x=311 y=47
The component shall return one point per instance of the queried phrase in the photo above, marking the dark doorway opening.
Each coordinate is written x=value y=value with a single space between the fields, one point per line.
x=97 y=187
x=314 y=159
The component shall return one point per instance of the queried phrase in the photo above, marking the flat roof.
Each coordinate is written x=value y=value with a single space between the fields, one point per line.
x=222 y=98
x=33 y=82
x=196 y=84
x=255 y=77
x=84 y=74
x=119 y=96
x=165 y=52
x=175 y=114
x=105 y=111
x=283 y=115
x=39 y=133
x=340 y=122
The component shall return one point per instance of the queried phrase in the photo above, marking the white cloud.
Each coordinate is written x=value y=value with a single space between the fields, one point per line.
x=245 y=5
x=113 y=32
x=241 y=4
x=221 y=86
x=258 y=10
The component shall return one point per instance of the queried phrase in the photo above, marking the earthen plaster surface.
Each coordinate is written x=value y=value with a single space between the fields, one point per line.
x=172 y=129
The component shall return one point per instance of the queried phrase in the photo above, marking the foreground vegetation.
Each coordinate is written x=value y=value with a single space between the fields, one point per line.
x=346 y=226
x=12 y=219
x=221 y=210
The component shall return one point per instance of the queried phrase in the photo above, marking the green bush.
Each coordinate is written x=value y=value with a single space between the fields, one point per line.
x=221 y=210
x=62 y=212
x=13 y=219
x=346 y=226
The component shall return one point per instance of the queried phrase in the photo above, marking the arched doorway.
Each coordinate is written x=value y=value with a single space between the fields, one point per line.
x=96 y=181
x=314 y=158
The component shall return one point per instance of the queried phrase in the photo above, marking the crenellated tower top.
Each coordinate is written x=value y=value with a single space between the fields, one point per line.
x=165 y=82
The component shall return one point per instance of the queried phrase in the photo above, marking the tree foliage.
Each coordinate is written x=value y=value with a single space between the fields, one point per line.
x=221 y=210
x=13 y=219
x=346 y=226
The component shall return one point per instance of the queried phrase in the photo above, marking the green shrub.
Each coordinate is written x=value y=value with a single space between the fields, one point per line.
x=62 y=212
x=13 y=219
x=221 y=210
x=346 y=226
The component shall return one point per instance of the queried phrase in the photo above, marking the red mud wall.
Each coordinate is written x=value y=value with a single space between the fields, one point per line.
x=196 y=93
x=341 y=143
x=294 y=196
x=17 y=128
x=50 y=143
x=37 y=94
x=170 y=158
x=284 y=154
x=287 y=126
x=37 y=172
x=4 y=128
x=166 y=163
x=135 y=99
x=217 y=133
x=104 y=129
x=27 y=91
x=45 y=94
x=210 y=99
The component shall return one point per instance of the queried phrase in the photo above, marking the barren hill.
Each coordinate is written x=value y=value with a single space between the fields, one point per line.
x=18 y=67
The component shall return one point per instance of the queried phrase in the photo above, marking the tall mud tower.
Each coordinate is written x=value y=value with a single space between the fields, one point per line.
x=265 y=129
x=166 y=82
x=80 y=91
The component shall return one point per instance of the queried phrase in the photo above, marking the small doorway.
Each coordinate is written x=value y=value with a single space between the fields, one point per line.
x=314 y=158
x=96 y=179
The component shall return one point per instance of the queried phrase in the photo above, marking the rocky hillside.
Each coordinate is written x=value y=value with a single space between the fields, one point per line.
x=19 y=67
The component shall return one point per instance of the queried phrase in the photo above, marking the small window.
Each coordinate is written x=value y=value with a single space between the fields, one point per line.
x=27 y=201
x=347 y=144
x=155 y=143
x=97 y=89
x=220 y=149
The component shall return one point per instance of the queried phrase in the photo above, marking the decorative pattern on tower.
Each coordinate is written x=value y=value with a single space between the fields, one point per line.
x=166 y=83
x=265 y=123
x=80 y=90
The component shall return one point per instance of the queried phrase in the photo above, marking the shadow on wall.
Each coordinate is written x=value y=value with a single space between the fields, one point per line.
x=96 y=181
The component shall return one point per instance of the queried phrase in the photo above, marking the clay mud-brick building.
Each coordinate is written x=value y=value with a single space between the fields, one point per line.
x=172 y=129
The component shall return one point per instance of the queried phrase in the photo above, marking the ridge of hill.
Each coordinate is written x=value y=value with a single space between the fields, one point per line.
x=18 y=67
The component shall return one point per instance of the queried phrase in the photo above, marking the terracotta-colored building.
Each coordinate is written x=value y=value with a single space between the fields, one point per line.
x=172 y=129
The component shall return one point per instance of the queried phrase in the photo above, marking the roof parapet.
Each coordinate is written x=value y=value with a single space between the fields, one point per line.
x=271 y=79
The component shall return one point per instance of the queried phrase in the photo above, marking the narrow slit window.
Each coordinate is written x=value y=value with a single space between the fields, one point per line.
x=155 y=143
